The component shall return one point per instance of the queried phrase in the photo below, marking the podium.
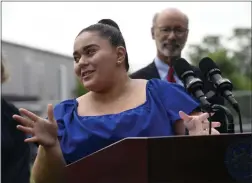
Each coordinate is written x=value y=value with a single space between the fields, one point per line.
x=224 y=158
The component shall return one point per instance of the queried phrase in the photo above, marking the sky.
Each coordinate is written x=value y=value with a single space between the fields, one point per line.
x=53 y=26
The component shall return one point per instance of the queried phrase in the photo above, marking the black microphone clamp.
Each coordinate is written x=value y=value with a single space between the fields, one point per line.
x=209 y=108
x=228 y=115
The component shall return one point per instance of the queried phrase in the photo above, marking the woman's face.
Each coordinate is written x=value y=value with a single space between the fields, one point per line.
x=95 y=60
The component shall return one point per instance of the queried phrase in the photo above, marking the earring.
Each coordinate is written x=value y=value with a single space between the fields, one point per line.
x=118 y=62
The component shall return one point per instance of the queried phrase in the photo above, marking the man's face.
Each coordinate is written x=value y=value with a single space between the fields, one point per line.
x=170 y=33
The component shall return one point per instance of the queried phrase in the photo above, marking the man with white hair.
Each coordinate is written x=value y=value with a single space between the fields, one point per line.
x=170 y=31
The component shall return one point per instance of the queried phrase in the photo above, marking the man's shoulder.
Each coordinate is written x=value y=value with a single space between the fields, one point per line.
x=140 y=71
x=147 y=72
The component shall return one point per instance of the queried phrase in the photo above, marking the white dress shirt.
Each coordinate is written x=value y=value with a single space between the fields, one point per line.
x=163 y=70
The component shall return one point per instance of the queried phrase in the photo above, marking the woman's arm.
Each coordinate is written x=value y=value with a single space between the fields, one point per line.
x=49 y=165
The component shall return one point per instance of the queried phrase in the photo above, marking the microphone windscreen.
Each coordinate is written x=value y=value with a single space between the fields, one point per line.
x=206 y=64
x=181 y=66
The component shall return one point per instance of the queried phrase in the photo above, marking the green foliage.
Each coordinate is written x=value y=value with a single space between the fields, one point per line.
x=225 y=62
x=240 y=82
x=235 y=64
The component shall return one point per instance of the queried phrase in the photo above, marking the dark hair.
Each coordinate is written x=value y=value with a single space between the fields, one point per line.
x=109 y=22
x=110 y=32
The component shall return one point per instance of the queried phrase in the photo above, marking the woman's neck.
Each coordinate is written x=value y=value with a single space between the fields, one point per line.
x=117 y=88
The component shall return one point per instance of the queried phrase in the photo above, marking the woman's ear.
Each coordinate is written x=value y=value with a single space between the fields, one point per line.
x=121 y=54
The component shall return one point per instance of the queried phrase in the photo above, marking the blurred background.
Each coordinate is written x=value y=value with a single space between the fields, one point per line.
x=37 y=42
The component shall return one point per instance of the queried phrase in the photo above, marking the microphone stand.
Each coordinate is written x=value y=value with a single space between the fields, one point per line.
x=228 y=116
x=206 y=107
x=209 y=108
x=228 y=112
x=225 y=84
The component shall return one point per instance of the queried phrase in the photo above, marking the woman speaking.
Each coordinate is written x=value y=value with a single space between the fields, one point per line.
x=115 y=107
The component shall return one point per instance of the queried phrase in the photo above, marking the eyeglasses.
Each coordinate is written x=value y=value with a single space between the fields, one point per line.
x=177 y=31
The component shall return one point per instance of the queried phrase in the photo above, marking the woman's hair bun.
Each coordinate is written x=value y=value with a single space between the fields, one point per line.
x=109 y=22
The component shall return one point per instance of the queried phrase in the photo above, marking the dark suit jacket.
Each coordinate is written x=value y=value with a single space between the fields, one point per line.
x=15 y=152
x=150 y=72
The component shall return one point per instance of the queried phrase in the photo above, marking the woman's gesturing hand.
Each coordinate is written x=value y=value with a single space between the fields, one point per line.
x=198 y=124
x=42 y=131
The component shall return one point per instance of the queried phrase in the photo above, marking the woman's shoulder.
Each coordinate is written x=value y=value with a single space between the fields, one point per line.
x=157 y=84
x=161 y=86
x=64 y=107
x=65 y=103
x=139 y=83
x=67 y=106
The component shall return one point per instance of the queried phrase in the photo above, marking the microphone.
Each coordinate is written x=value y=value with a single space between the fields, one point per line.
x=222 y=85
x=192 y=84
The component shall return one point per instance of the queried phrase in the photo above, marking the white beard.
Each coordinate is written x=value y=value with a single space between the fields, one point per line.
x=171 y=53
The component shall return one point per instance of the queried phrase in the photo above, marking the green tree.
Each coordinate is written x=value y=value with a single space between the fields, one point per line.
x=242 y=54
x=228 y=68
x=235 y=64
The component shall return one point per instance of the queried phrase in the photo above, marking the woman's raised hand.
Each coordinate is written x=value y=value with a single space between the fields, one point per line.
x=42 y=131
x=198 y=124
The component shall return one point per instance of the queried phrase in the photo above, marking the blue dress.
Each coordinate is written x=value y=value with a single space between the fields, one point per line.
x=80 y=136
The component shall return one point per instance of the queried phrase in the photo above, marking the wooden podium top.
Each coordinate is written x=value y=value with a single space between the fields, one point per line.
x=220 y=158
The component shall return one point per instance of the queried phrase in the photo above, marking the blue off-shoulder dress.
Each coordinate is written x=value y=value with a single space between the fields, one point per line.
x=80 y=136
